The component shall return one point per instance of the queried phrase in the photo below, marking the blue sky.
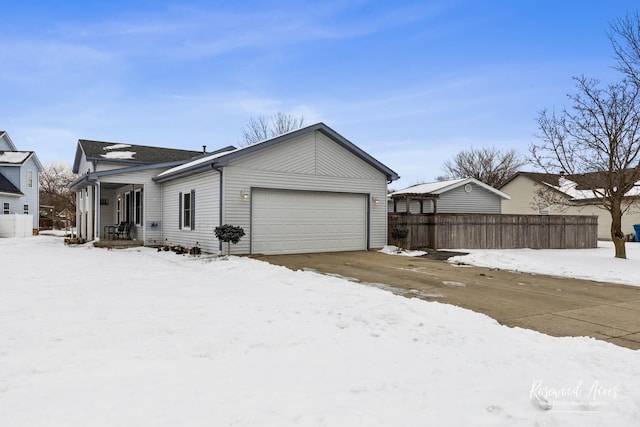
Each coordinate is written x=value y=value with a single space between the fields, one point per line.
x=410 y=82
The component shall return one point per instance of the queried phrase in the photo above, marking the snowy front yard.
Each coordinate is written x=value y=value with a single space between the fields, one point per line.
x=589 y=264
x=91 y=337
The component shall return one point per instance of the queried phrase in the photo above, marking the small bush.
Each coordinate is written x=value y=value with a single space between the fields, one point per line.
x=399 y=233
x=230 y=234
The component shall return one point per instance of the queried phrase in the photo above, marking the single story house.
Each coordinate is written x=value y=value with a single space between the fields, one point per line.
x=19 y=189
x=467 y=195
x=309 y=190
x=525 y=187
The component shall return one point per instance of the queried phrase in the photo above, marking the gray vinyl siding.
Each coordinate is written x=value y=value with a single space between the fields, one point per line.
x=479 y=200
x=31 y=195
x=17 y=175
x=207 y=211
x=456 y=200
x=4 y=144
x=84 y=166
x=310 y=163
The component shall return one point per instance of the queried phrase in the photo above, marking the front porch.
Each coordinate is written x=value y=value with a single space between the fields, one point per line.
x=105 y=206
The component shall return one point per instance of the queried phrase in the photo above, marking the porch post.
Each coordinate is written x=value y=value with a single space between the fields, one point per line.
x=78 y=215
x=96 y=216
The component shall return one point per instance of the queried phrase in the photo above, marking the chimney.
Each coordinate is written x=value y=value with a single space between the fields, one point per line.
x=204 y=149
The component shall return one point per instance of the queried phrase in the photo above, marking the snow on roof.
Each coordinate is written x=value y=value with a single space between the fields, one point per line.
x=121 y=155
x=428 y=188
x=14 y=157
x=569 y=188
x=444 y=186
x=116 y=147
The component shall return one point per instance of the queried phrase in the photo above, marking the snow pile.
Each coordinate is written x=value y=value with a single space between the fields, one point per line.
x=394 y=250
x=116 y=147
x=122 y=155
x=591 y=264
x=137 y=337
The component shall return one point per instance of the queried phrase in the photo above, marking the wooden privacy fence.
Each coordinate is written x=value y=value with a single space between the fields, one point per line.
x=480 y=231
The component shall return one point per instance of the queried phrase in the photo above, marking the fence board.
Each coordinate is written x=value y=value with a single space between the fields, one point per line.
x=480 y=231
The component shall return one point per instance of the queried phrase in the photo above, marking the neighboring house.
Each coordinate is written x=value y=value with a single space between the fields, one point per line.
x=523 y=188
x=466 y=195
x=310 y=190
x=19 y=195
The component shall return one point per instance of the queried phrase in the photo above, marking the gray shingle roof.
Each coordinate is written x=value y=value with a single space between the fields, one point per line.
x=109 y=151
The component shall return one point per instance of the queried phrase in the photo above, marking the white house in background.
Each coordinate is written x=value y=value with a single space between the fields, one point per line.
x=19 y=190
x=467 y=195
x=310 y=190
x=524 y=186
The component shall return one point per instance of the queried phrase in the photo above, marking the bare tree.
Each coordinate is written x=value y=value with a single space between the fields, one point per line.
x=54 y=181
x=597 y=143
x=264 y=127
x=624 y=35
x=489 y=165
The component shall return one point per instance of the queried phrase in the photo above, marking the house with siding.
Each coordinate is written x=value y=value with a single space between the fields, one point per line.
x=115 y=184
x=310 y=190
x=467 y=195
x=19 y=189
x=525 y=187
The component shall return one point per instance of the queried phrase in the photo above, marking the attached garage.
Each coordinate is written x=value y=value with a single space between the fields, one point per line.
x=309 y=190
x=284 y=222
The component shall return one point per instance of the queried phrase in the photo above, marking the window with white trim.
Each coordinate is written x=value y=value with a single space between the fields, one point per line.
x=187 y=210
x=25 y=209
x=30 y=178
x=544 y=209
x=6 y=208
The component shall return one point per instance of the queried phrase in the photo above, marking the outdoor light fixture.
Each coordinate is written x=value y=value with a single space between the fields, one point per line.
x=375 y=200
x=244 y=193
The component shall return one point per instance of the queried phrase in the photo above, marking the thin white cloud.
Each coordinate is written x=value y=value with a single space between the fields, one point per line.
x=201 y=32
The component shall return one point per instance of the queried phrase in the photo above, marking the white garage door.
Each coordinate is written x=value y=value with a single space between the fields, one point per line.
x=285 y=222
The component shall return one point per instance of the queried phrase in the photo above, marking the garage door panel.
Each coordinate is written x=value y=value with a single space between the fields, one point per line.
x=298 y=222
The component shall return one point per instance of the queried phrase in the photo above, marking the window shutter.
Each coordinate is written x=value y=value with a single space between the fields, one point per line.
x=180 y=211
x=193 y=209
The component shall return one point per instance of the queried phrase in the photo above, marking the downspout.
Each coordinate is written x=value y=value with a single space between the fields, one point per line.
x=219 y=170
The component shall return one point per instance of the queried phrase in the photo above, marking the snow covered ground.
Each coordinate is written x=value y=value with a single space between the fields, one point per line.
x=591 y=264
x=90 y=337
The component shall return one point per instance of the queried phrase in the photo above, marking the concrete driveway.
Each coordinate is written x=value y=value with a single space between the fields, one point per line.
x=555 y=306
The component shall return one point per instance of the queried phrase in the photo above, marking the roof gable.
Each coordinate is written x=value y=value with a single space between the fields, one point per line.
x=223 y=158
x=6 y=142
x=539 y=177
